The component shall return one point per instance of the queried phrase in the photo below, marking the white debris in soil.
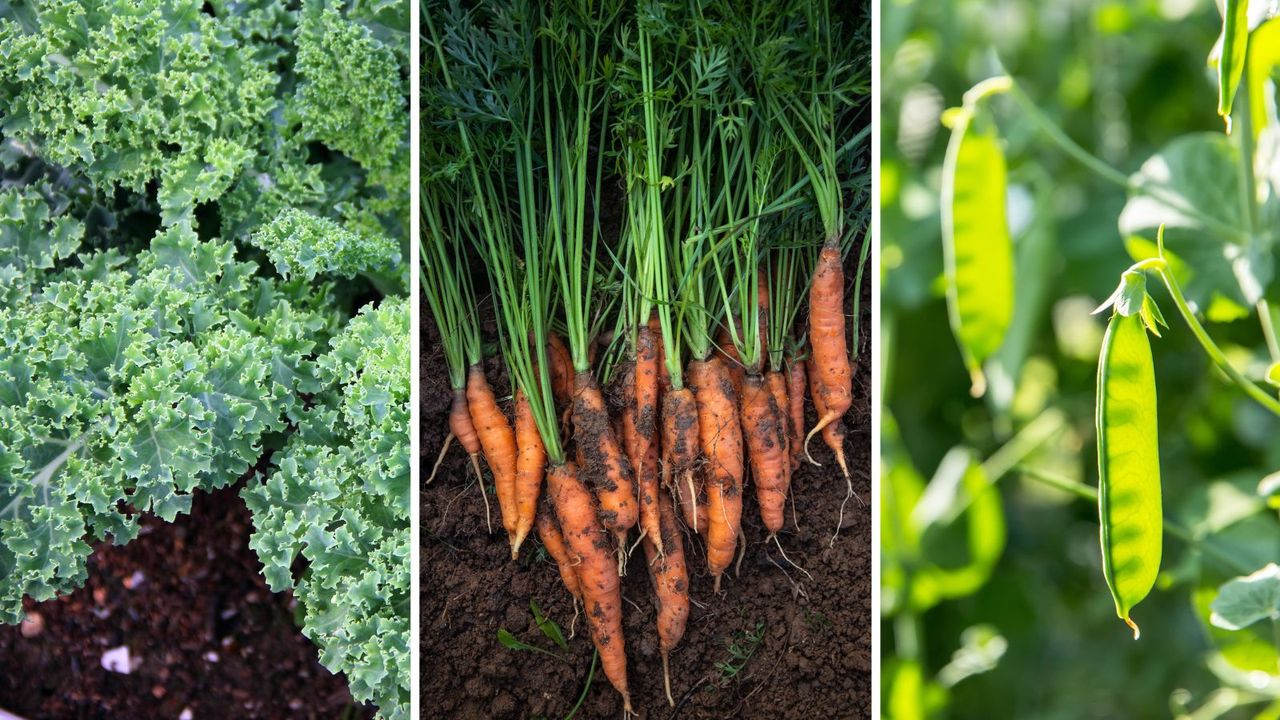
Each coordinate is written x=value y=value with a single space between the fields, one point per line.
x=135 y=580
x=32 y=625
x=211 y=656
x=186 y=714
x=116 y=660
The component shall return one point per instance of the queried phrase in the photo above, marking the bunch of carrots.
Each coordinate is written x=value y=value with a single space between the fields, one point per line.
x=721 y=133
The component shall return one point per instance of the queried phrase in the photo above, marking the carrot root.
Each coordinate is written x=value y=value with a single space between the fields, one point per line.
x=604 y=463
x=720 y=433
x=597 y=574
x=531 y=462
x=766 y=446
x=448 y=440
x=497 y=440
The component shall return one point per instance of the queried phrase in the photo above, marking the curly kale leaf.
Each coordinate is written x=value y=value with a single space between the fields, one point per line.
x=301 y=244
x=134 y=90
x=351 y=95
x=32 y=240
x=339 y=496
x=127 y=385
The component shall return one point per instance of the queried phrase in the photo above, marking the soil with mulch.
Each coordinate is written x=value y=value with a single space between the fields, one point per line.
x=776 y=643
x=206 y=637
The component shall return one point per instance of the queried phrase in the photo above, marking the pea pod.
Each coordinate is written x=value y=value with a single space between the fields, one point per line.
x=977 y=247
x=1233 y=46
x=1128 y=464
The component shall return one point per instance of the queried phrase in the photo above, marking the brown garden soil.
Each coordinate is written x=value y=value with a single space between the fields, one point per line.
x=205 y=633
x=813 y=657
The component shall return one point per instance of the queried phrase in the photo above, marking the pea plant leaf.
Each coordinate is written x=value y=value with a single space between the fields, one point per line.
x=1192 y=187
x=1246 y=600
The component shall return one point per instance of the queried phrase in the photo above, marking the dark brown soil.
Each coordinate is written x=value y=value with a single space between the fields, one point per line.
x=813 y=657
x=205 y=633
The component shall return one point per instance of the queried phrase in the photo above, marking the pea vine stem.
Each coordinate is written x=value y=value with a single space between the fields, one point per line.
x=1105 y=171
x=1161 y=267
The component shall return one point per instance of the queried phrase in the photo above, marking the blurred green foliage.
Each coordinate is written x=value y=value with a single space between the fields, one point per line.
x=993 y=598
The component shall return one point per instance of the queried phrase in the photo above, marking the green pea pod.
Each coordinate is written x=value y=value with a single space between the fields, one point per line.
x=1233 y=47
x=977 y=247
x=1128 y=464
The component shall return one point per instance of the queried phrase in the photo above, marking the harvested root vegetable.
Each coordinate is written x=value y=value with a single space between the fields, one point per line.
x=553 y=540
x=498 y=441
x=720 y=433
x=830 y=373
x=604 y=464
x=680 y=445
x=597 y=573
x=648 y=367
x=796 y=384
x=777 y=383
x=531 y=463
x=561 y=366
x=833 y=434
x=670 y=578
x=766 y=449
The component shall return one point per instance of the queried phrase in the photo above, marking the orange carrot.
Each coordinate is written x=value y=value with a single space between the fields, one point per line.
x=833 y=433
x=721 y=436
x=604 y=464
x=553 y=540
x=561 y=366
x=796 y=382
x=460 y=427
x=498 y=441
x=733 y=362
x=829 y=366
x=680 y=444
x=645 y=459
x=460 y=423
x=776 y=382
x=766 y=450
x=670 y=578
x=531 y=463
x=597 y=573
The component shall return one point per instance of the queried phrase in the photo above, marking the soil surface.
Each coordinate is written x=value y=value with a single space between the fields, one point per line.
x=776 y=643
x=206 y=637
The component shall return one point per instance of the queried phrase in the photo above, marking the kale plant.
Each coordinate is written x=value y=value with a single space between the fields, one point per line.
x=203 y=227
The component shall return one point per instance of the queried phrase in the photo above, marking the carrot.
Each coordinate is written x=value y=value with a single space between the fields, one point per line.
x=680 y=444
x=604 y=463
x=829 y=367
x=561 y=366
x=776 y=382
x=796 y=382
x=498 y=442
x=531 y=463
x=597 y=573
x=670 y=578
x=553 y=540
x=645 y=459
x=766 y=450
x=460 y=423
x=721 y=436
x=460 y=427
x=733 y=362
x=833 y=433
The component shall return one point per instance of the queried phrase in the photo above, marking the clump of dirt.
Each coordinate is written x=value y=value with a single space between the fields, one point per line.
x=204 y=633
x=777 y=642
